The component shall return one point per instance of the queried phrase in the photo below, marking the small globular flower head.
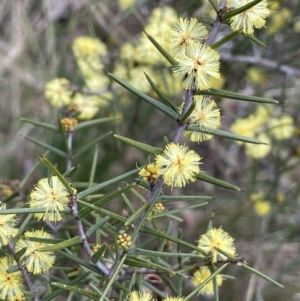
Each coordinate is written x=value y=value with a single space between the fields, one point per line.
x=263 y=113
x=145 y=52
x=253 y=17
x=138 y=296
x=88 y=52
x=250 y=125
x=36 y=262
x=97 y=247
x=220 y=239
x=207 y=115
x=68 y=124
x=184 y=34
x=97 y=82
x=57 y=92
x=124 y=240
x=256 y=76
x=173 y=299
x=7 y=226
x=86 y=46
x=88 y=105
x=163 y=14
x=197 y=65
x=149 y=173
x=72 y=107
x=258 y=151
x=262 y=207
x=280 y=198
x=282 y=128
x=11 y=285
x=159 y=206
x=201 y=275
x=178 y=165
x=243 y=126
x=6 y=191
x=52 y=195
x=297 y=26
x=89 y=67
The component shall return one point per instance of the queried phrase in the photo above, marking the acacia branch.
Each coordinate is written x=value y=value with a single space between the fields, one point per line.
x=178 y=134
x=85 y=244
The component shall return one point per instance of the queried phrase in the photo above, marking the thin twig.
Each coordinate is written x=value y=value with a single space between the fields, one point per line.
x=85 y=244
x=74 y=208
x=216 y=24
x=256 y=60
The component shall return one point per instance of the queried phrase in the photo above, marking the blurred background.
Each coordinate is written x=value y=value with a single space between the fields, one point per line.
x=36 y=39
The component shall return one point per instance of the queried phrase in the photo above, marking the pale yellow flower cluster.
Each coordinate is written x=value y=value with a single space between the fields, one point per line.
x=257 y=76
x=7 y=226
x=250 y=19
x=124 y=240
x=202 y=273
x=207 y=115
x=161 y=19
x=50 y=195
x=178 y=165
x=58 y=92
x=35 y=261
x=11 y=284
x=68 y=124
x=88 y=105
x=217 y=244
x=197 y=63
x=262 y=126
x=139 y=296
x=142 y=56
x=149 y=173
x=185 y=34
x=261 y=205
x=197 y=66
x=88 y=52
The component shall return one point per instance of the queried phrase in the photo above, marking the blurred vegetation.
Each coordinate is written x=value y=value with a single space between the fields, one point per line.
x=36 y=45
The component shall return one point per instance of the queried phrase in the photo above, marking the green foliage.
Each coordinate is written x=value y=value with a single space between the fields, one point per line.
x=120 y=233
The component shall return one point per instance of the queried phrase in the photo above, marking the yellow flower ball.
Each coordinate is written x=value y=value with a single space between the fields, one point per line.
x=201 y=275
x=258 y=151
